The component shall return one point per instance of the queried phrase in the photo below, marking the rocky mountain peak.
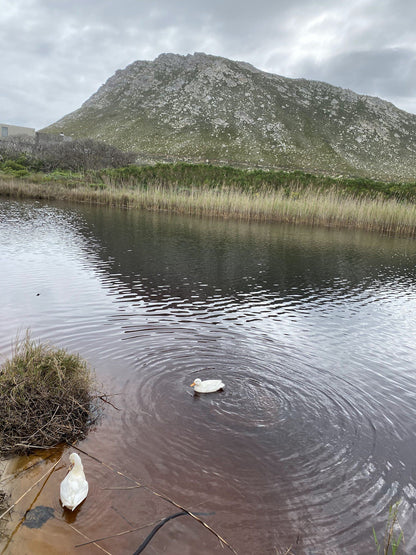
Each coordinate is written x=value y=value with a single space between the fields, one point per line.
x=200 y=107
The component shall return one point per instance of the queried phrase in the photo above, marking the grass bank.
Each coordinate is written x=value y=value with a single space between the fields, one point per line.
x=292 y=197
x=47 y=396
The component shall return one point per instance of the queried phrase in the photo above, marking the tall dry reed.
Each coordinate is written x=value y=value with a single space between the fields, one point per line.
x=303 y=206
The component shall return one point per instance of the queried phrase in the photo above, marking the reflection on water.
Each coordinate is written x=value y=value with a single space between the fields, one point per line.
x=312 y=331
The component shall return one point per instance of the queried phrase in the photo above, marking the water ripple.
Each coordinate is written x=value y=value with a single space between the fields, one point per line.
x=312 y=437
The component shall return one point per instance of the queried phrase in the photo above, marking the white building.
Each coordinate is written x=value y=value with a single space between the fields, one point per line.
x=15 y=130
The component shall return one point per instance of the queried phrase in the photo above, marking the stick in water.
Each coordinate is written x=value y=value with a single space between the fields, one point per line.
x=162 y=496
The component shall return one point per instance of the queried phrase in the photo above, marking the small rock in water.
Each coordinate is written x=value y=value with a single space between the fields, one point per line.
x=37 y=517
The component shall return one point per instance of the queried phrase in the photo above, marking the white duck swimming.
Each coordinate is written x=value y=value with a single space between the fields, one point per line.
x=207 y=386
x=74 y=487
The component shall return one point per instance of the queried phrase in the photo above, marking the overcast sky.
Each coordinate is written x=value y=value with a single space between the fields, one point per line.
x=56 y=53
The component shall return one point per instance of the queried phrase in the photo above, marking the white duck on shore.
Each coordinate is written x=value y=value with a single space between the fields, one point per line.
x=207 y=386
x=74 y=487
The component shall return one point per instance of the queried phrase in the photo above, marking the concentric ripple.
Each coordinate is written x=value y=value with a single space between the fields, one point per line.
x=312 y=435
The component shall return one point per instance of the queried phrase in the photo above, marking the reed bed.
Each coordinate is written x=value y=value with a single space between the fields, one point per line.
x=328 y=207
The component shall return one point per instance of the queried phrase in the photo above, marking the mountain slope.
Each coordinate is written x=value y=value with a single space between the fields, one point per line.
x=200 y=107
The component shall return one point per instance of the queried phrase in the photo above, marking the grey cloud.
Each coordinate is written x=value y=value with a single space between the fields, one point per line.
x=59 y=53
x=388 y=73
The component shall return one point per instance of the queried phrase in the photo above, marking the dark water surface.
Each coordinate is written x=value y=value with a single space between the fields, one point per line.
x=312 y=331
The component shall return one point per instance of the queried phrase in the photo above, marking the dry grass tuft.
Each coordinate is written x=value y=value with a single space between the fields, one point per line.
x=47 y=396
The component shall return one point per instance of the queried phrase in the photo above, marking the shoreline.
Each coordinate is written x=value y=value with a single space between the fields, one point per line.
x=310 y=206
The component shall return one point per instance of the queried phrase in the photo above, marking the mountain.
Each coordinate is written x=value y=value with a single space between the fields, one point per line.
x=207 y=108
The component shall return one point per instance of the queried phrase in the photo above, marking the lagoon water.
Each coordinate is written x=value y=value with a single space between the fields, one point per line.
x=313 y=332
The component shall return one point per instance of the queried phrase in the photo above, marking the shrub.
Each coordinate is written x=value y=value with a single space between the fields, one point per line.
x=13 y=165
x=47 y=396
x=50 y=152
